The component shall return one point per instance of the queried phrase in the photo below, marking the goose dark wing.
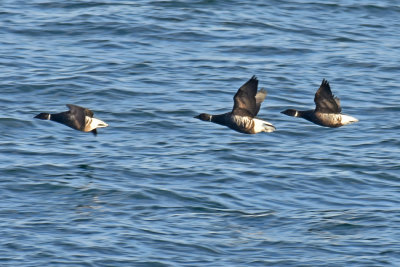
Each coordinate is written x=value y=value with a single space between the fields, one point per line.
x=78 y=109
x=260 y=96
x=325 y=101
x=245 y=99
x=77 y=115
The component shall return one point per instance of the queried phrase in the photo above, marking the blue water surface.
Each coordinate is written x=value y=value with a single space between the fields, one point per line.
x=160 y=188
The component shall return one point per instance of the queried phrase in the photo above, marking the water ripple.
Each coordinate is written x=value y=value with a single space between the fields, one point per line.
x=160 y=188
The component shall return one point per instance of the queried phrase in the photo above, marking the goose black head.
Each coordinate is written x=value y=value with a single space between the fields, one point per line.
x=43 y=116
x=290 y=112
x=204 y=117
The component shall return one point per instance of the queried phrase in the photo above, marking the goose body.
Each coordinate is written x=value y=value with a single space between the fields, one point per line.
x=242 y=118
x=327 y=112
x=78 y=118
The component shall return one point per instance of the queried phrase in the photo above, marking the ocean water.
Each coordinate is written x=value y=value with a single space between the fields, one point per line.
x=160 y=188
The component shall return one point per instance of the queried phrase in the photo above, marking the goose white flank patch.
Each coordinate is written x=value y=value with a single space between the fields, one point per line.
x=78 y=118
x=242 y=118
x=327 y=110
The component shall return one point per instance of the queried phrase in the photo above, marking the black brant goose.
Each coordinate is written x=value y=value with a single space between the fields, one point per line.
x=327 y=110
x=77 y=117
x=242 y=118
